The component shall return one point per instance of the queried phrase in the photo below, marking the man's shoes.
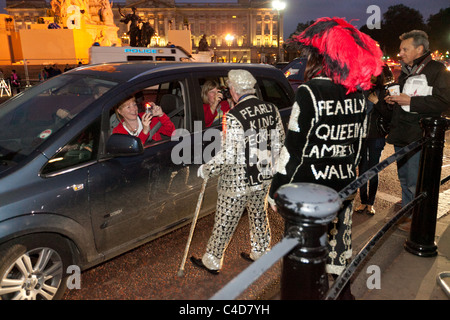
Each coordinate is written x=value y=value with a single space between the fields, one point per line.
x=199 y=263
x=370 y=210
x=246 y=256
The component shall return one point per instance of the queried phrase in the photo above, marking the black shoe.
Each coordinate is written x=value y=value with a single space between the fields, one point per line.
x=246 y=256
x=199 y=263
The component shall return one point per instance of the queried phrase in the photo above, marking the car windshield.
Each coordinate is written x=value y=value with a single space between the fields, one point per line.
x=296 y=70
x=32 y=116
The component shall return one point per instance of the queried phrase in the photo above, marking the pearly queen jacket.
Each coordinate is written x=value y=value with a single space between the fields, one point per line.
x=324 y=137
x=252 y=137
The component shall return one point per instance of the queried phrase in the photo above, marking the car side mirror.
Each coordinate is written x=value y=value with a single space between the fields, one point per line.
x=119 y=145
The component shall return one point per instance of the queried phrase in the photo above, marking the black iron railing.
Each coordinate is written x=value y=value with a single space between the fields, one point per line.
x=308 y=208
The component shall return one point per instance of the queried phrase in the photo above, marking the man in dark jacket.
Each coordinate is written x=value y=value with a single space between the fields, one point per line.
x=409 y=108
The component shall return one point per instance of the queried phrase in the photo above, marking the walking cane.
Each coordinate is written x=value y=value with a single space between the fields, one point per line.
x=194 y=221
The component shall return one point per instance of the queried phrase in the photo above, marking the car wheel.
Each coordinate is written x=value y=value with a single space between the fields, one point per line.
x=33 y=268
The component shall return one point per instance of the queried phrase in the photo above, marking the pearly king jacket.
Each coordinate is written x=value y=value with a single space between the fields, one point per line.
x=251 y=141
x=324 y=137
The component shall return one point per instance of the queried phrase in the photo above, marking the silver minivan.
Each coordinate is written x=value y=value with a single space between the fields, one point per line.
x=74 y=194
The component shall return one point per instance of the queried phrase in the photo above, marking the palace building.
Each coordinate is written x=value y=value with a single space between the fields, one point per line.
x=244 y=31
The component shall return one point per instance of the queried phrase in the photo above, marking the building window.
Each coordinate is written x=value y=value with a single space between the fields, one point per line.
x=266 y=29
x=274 y=27
x=234 y=28
x=258 y=28
x=244 y=28
x=225 y=28
x=161 y=28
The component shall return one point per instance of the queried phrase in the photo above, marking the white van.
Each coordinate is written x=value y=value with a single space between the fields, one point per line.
x=98 y=54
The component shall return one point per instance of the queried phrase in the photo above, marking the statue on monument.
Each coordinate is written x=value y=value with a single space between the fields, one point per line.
x=140 y=32
x=95 y=16
x=105 y=13
x=147 y=33
x=60 y=8
x=134 y=30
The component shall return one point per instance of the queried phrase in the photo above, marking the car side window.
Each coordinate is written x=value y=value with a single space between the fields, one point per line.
x=271 y=91
x=81 y=149
x=170 y=96
x=210 y=88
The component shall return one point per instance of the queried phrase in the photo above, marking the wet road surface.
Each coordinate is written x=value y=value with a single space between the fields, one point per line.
x=150 y=272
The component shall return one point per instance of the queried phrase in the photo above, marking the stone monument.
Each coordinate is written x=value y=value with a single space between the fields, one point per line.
x=93 y=16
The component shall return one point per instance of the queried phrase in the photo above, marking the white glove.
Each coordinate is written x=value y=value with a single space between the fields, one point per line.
x=200 y=172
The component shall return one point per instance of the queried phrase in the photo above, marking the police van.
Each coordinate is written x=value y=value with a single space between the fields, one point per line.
x=98 y=54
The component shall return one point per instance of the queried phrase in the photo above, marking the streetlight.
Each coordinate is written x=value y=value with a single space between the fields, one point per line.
x=229 y=39
x=279 y=6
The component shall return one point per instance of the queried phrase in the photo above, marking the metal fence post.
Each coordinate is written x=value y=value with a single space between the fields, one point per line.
x=307 y=209
x=421 y=240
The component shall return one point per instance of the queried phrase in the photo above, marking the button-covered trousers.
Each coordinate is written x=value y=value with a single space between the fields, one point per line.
x=228 y=212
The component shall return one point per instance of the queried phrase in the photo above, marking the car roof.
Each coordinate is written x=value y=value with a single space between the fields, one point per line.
x=128 y=71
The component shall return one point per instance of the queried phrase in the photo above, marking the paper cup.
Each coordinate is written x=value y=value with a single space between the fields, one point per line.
x=394 y=90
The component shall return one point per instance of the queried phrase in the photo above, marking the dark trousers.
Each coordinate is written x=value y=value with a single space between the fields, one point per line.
x=370 y=156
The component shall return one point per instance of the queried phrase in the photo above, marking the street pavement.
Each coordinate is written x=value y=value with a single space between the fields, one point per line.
x=405 y=276
x=409 y=277
x=150 y=272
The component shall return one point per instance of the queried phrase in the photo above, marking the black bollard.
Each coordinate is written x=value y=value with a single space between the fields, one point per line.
x=421 y=240
x=307 y=209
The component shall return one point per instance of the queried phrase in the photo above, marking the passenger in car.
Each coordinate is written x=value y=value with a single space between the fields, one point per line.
x=140 y=124
x=214 y=105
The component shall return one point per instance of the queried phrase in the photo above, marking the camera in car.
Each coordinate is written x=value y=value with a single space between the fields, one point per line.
x=225 y=93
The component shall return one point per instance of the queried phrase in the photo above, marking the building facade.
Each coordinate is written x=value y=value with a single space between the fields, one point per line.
x=245 y=31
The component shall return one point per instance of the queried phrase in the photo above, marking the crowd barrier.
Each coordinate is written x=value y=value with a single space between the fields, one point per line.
x=308 y=209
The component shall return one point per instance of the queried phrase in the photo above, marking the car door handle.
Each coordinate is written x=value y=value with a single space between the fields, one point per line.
x=78 y=187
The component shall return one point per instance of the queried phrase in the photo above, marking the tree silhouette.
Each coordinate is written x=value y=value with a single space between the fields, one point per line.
x=397 y=19
x=438 y=26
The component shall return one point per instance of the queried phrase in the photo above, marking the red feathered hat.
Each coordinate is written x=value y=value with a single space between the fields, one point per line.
x=351 y=57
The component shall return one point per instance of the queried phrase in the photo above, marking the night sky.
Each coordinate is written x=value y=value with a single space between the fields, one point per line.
x=304 y=10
